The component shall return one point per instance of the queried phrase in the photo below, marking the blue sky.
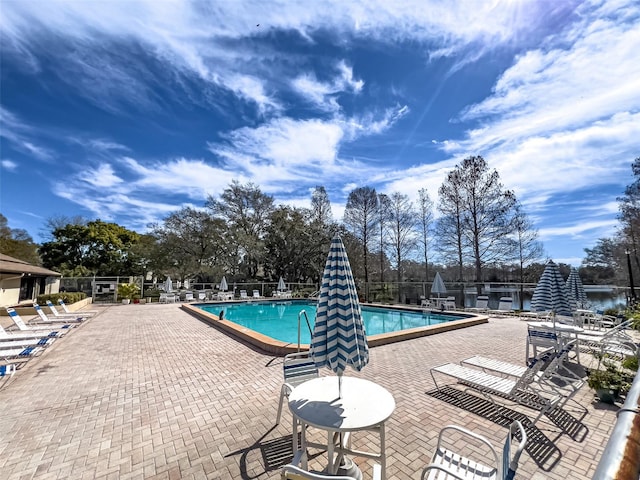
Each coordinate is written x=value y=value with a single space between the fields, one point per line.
x=129 y=110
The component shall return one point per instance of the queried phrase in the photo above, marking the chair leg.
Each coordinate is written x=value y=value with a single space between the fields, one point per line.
x=280 y=405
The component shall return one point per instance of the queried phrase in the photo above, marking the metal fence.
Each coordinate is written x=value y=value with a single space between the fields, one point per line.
x=105 y=289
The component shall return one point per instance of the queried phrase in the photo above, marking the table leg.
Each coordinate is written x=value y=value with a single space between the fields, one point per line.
x=294 y=437
x=331 y=468
x=303 y=442
x=383 y=455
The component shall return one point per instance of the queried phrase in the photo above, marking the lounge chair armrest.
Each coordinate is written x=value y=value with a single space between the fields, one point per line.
x=433 y=468
x=468 y=433
x=516 y=425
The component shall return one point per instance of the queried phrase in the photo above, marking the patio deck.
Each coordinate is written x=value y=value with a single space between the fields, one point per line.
x=149 y=391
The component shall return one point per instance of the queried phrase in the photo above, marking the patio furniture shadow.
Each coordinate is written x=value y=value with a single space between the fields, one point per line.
x=276 y=453
x=541 y=449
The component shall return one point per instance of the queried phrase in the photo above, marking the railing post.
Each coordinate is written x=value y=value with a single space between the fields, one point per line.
x=621 y=457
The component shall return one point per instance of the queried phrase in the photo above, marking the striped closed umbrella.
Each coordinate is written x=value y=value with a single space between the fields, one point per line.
x=576 y=289
x=281 y=285
x=223 y=284
x=339 y=338
x=168 y=285
x=551 y=293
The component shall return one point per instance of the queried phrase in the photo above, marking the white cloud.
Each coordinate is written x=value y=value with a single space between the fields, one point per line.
x=578 y=230
x=324 y=94
x=101 y=177
x=20 y=135
x=564 y=117
x=208 y=41
x=9 y=165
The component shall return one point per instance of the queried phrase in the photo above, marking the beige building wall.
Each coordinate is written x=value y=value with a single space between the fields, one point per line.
x=9 y=289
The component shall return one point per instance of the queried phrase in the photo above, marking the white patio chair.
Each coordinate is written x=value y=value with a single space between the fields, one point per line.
x=188 y=297
x=297 y=368
x=541 y=337
x=202 y=296
x=256 y=294
x=243 y=295
x=450 y=303
x=470 y=464
x=294 y=472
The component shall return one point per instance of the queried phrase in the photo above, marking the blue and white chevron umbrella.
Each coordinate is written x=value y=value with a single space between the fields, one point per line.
x=339 y=338
x=551 y=293
x=576 y=289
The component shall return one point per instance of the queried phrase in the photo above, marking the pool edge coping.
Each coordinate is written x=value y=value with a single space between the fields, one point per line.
x=280 y=348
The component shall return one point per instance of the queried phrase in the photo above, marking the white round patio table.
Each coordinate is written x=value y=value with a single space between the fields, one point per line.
x=363 y=405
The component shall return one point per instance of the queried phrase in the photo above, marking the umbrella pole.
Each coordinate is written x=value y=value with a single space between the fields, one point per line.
x=339 y=386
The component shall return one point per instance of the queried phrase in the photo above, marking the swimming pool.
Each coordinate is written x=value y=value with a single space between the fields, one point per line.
x=273 y=325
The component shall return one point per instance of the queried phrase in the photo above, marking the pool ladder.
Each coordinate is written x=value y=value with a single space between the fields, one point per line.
x=300 y=315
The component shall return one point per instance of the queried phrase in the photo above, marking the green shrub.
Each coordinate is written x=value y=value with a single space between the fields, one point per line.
x=128 y=290
x=67 y=297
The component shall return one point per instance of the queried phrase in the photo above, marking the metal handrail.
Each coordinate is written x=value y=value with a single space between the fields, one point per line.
x=303 y=312
x=621 y=457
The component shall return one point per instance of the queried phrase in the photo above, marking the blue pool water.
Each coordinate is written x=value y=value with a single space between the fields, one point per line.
x=279 y=320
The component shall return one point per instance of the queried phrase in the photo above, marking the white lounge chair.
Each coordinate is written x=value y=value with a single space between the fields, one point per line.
x=555 y=376
x=470 y=464
x=26 y=328
x=80 y=312
x=6 y=373
x=243 y=295
x=527 y=390
x=63 y=316
x=504 y=307
x=482 y=304
x=202 y=296
x=167 y=298
x=256 y=294
x=7 y=343
x=45 y=319
x=188 y=297
x=4 y=335
x=20 y=353
x=297 y=368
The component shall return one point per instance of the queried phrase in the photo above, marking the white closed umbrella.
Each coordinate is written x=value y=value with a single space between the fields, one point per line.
x=168 y=285
x=438 y=285
x=281 y=285
x=223 y=284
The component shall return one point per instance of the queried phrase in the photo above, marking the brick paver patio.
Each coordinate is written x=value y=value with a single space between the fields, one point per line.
x=148 y=391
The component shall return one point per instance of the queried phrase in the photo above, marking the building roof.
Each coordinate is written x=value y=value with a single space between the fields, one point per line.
x=13 y=265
